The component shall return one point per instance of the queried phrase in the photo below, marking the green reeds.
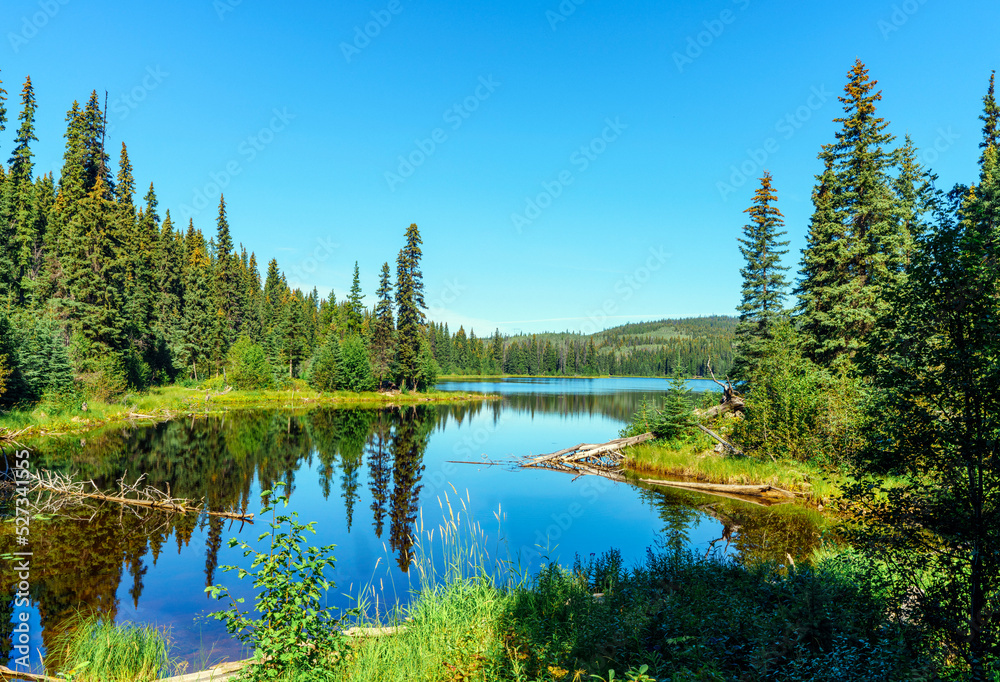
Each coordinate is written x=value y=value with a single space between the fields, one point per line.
x=92 y=648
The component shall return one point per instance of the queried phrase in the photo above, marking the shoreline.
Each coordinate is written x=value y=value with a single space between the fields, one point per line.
x=162 y=404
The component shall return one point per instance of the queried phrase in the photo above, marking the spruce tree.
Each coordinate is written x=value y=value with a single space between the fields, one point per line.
x=858 y=240
x=764 y=281
x=383 y=328
x=355 y=308
x=989 y=117
x=409 y=307
x=19 y=241
x=194 y=346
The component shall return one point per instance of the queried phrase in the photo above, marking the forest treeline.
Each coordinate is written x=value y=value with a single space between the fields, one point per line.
x=885 y=365
x=101 y=293
x=661 y=348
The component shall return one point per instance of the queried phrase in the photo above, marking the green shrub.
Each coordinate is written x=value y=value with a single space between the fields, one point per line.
x=796 y=409
x=298 y=632
x=428 y=369
x=247 y=366
x=354 y=371
x=674 y=421
x=323 y=365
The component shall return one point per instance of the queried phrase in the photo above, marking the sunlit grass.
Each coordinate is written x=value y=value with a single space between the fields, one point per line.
x=95 y=649
x=695 y=461
x=67 y=416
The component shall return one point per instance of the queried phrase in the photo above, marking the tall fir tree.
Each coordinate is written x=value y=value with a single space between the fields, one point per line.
x=858 y=241
x=764 y=281
x=355 y=308
x=409 y=306
x=195 y=344
x=20 y=241
x=382 y=341
x=989 y=117
x=226 y=291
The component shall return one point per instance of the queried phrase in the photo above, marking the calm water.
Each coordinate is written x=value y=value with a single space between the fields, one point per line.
x=371 y=480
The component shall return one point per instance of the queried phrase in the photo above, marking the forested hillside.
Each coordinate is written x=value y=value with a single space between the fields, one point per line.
x=101 y=293
x=661 y=348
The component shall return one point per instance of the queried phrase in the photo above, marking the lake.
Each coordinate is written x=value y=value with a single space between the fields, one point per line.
x=373 y=481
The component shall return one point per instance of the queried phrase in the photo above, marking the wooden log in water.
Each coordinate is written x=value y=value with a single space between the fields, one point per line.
x=160 y=505
x=755 y=489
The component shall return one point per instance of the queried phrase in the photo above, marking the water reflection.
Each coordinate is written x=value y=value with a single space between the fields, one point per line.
x=371 y=464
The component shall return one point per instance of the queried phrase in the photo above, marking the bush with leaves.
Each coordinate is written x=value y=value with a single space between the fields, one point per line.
x=674 y=421
x=323 y=365
x=295 y=631
x=796 y=409
x=248 y=367
x=354 y=371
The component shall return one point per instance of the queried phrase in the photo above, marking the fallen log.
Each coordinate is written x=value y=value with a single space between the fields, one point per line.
x=584 y=450
x=726 y=444
x=760 y=489
x=8 y=674
x=56 y=484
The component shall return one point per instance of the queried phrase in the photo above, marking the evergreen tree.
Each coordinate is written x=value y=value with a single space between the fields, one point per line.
x=355 y=308
x=933 y=425
x=194 y=347
x=354 y=370
x=273 y=312
x=989 y=117
x=95 y=279
x=409 y=307
x=383 y=329
x=858 y=242
x=19 y=238
x=226 y=297
x=764 y=281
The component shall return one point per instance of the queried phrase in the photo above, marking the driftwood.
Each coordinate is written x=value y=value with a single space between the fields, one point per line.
x=8 y=674
x=761 y=489
x=62 y=490
x=584 y=451
x=732 y=400
x=726 y=444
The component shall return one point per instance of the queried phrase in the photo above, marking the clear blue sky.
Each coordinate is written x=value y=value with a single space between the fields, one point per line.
x=663 y=97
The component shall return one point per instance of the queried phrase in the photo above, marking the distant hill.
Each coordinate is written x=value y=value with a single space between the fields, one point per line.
x=660 y=348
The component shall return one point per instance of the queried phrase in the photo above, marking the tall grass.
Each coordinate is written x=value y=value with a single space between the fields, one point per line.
x=692 y=460
x=451 y=630
x=92 y=648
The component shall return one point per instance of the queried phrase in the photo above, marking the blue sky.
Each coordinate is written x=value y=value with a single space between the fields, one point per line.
x=570 y=165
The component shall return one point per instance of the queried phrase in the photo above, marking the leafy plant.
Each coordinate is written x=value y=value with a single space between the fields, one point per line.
x=248 y=366
x=295 y=631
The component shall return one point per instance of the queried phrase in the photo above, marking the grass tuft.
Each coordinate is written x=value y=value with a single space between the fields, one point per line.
x=92 y=648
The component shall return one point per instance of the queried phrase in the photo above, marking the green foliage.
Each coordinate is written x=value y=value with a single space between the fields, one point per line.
x=295 y=631
x=933 y=422
x=797 y=409
x=323 y=375
x=677 y=616
x=427 y=368
x=247 y=366
x=98 y=650
x=354 y=369
x=673 y=421
x=764 y=281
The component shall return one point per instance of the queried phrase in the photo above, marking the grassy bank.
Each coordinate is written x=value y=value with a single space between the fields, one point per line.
x=699 y=462
x=674 y=616
x=170 y=402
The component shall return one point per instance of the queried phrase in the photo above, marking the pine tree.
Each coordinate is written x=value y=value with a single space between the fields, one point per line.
x=858 y=241
x=355 y=308
x=409 y=307
x=194 y=346
x=989 y=117
x=764 y=281
x=95 y=278
x=383 y=329
x=19 y=239
x=273 y=312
